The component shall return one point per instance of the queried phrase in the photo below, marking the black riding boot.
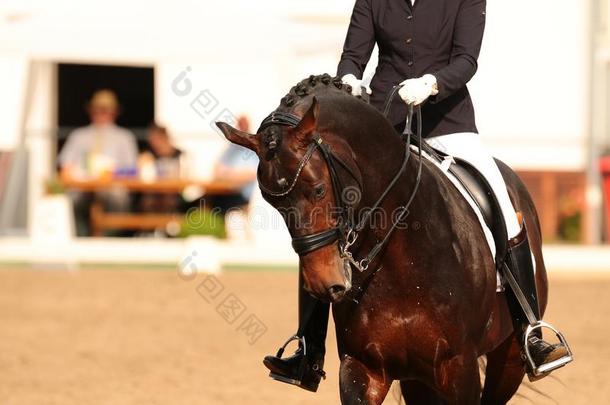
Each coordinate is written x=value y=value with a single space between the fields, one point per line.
x=304 y=367
x=526 y=310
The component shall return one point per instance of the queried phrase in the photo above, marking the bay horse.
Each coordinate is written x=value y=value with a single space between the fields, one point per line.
x=425 y=308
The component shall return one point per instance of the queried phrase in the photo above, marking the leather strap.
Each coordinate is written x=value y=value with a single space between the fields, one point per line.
x=279 y=118
x=308 y=243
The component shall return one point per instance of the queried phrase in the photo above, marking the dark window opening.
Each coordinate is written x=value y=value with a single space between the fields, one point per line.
x=134 y=87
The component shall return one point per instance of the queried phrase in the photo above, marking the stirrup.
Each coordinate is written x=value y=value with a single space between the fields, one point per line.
x=543 y=369
x=280 y=353
x=291 y=339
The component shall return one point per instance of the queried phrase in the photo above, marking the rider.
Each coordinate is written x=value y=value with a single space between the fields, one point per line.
x=434 y=45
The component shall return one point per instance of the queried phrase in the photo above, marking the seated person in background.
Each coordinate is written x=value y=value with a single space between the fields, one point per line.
x=101 y=148
x=161 y=160
x=236 y=164
x=97 y=151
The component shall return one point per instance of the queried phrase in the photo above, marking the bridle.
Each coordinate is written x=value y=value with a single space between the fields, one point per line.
x=346 y=232
x=308 y=243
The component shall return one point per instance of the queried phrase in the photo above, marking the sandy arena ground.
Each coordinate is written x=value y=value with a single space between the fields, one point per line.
x=149 y=337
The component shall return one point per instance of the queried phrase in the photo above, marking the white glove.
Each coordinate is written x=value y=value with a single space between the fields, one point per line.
x=416 y=91
x=356 y=84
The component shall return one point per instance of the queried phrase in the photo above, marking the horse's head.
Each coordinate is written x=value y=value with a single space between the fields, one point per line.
x=296 y=178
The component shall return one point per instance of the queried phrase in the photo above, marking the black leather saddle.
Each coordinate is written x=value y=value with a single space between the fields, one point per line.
x=482 y=194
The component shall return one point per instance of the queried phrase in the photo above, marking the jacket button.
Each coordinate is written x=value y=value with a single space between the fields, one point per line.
x=410 y=63
x=409 y=17
x=409 y=40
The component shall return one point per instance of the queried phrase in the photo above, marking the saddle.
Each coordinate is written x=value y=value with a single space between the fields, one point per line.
x=477 y=187
x=482 y=194
x=474 y=183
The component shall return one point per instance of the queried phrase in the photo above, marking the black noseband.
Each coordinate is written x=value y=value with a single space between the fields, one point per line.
x=308 y=243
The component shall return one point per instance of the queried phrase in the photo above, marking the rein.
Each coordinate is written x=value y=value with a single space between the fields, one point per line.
x=346 y=232
x=363 y=264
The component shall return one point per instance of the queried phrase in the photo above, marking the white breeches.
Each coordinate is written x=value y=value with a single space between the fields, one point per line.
x=468 y=146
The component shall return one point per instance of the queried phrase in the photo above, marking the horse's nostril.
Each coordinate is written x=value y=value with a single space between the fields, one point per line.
x=336 y=292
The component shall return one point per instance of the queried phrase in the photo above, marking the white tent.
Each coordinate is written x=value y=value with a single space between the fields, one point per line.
x=531 y=68
x=532 y=91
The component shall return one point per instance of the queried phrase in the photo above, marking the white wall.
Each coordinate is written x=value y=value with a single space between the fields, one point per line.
x=532 y=90
x=13 y=75
x=191 y=97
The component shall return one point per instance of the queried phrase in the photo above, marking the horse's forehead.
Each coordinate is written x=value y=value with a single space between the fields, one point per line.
x=284 y=166
x=272 y=171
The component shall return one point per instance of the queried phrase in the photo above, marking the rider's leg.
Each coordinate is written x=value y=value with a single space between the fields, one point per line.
x=313 y=322
x=468 y=146
x=305 y=367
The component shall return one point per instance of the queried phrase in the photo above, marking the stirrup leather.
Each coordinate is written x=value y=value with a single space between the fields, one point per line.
x=542 y=369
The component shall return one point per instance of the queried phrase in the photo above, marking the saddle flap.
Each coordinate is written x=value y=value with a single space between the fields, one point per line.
x=481 y=192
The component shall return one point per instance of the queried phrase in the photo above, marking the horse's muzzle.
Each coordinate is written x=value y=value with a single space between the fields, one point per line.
x=324 y=274
x=336 y=292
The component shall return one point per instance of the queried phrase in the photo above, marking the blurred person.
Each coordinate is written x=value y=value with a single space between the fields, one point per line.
x=161 y=160
x=430 y=48
x=98 y=150
x=102 y=147
x=238 y=165
x=162 y=151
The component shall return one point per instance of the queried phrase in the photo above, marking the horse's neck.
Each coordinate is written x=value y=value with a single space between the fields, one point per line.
x=429 y=220
x=379 y=155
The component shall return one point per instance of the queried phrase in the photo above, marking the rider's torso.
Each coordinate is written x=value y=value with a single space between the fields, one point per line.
x=416 y=40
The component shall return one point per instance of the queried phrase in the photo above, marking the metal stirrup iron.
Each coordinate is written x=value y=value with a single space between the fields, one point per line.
x=533 y=325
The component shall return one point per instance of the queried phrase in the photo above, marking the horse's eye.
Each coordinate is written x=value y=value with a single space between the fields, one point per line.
x=320 y=191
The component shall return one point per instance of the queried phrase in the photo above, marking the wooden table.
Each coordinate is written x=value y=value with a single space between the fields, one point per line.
x=166 y=186
x=102 y=220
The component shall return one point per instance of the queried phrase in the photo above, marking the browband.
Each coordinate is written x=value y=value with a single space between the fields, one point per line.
x=279 y=118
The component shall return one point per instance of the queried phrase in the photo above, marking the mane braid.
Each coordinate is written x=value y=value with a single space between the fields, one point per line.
x=312 y=84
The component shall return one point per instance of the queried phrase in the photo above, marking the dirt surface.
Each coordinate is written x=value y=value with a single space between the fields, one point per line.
x=149 y=337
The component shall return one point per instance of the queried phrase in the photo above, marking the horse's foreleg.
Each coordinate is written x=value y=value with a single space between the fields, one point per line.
x=504 y=373
x=458 y=380
x=361 y=385
x=418 y=393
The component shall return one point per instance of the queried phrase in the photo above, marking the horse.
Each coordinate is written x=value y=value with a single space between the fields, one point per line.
x=425 y=309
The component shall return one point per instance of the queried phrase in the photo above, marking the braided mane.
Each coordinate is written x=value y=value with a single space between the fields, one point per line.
x=272 y=138
x=311 y=85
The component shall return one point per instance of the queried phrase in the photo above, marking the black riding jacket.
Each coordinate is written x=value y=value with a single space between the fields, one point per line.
x=440 y=37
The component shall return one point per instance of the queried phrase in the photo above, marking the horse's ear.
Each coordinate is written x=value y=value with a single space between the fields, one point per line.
x=238 y=137
x=309 y=122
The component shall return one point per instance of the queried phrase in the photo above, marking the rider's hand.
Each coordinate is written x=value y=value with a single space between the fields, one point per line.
x=355 y=83
x=416 y=91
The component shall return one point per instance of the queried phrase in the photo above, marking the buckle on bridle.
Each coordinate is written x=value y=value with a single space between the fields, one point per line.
x=345 y=254
x=350 y=238
x=361 y=265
